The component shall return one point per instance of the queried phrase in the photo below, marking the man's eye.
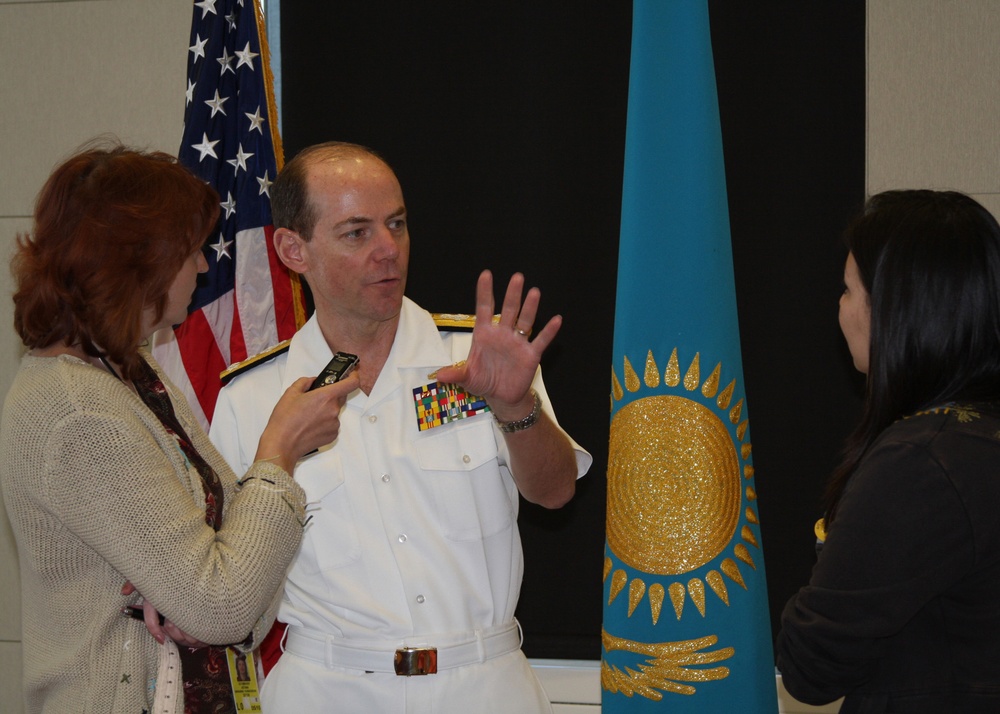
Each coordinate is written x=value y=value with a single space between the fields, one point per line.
x=397 y=225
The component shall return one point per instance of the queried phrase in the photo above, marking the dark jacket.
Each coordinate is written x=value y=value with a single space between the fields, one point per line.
x=902 y=613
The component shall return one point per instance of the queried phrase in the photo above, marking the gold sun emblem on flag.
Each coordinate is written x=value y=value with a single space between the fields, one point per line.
x=676 y=496
x=675 y=492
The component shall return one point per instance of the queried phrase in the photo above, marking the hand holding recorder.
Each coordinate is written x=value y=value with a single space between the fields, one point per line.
x=342 y=364
x=306 y=417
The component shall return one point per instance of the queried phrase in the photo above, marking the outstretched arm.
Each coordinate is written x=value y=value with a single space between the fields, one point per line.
x=501 y=365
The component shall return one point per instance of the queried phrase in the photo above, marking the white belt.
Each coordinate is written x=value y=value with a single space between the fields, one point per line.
x=407 y=660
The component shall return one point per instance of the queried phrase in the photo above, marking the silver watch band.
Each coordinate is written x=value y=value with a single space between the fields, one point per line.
x=508 y=427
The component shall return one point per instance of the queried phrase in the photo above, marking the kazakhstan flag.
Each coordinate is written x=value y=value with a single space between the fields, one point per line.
x=686 y=625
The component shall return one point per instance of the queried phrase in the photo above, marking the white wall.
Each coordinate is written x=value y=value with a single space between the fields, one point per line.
x=75 y=69
x=933 y=96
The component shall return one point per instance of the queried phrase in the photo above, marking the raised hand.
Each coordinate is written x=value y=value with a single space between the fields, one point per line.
x=504 y=355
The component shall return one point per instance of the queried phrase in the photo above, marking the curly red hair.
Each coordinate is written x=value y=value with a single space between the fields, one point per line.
x=113 y=227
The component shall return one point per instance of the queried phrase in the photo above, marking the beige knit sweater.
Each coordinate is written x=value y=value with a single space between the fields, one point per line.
x=99 y=493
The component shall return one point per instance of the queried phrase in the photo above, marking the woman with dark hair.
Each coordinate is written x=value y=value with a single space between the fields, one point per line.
x=900 y=614
x=116 y=496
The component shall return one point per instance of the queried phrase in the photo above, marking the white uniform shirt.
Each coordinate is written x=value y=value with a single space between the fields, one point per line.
x=412 y=532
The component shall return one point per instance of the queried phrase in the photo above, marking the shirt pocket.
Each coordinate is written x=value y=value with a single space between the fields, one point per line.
x=459 y=467
x=331 y=537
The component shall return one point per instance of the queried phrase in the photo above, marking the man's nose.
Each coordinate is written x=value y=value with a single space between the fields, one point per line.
x=386 y=244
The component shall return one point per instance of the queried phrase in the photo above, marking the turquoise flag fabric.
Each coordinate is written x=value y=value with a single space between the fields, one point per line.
x=686 y=625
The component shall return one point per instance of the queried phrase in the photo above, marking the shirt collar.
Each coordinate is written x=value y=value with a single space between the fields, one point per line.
x=412 y=347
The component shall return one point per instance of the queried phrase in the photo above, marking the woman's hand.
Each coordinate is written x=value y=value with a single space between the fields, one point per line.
x=303 y=421
x=151 y=616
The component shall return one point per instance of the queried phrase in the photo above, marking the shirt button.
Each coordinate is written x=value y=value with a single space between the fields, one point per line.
x=420 y=599
x=466 y=459
x=402 y=538
x=385 y=478
x=372 y=418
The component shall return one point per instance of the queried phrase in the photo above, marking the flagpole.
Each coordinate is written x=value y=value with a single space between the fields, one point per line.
x=298 y=296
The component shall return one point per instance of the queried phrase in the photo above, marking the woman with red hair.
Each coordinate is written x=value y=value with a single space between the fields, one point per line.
x=116 y=496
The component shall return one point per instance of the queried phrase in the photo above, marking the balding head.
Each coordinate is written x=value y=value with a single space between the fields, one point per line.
x=290 y=204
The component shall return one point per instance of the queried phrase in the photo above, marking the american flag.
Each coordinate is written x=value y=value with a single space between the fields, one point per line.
x=248 y=301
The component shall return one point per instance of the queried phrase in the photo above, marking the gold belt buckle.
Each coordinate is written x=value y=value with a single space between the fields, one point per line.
x=412 y=661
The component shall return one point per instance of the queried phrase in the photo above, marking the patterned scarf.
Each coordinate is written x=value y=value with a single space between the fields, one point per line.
x=207 y=688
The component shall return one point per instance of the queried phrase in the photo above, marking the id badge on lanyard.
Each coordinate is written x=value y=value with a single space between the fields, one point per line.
x=243 y=678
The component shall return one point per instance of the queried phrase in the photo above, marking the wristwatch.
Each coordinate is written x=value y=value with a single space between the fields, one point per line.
x=508 y=427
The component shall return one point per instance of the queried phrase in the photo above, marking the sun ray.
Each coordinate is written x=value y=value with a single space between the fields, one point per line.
x=656 y=595
x=616 y=387
x=751 y=493
x=732 y=571
x=618 y=581
x=711 y=385
x=718 y=585
x=745 y=451
x=725 y=395
x=751 y=516
x=636 y=589
x=607 y=568
x=696 y=590
x=747 y=469
x=693 y=375
x=743 y=554
x=748 y=536
x=676 y=591
x=734 y=413
x=652 y=374
x=672 y=375
x=631 y=378
x=741 y=430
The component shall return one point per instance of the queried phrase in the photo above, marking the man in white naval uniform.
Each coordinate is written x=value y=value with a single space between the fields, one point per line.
x=412 y=562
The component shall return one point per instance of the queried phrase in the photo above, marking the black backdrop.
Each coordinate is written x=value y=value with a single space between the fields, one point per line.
x=506 y=123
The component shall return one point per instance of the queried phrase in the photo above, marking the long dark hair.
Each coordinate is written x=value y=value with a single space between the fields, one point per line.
x=930 y=261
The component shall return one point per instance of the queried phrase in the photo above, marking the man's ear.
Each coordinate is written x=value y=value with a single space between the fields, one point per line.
x=288 y=245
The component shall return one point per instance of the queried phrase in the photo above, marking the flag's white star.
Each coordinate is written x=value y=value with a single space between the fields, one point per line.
x=221 y=248
x=231 y=19
x=216 y=103
x=198 y=48
x=189 y=94
x=226 y=61
x=256 y=120
x=246 y=56
x=205 y=148
x=229 y=205
x=240 y=162
x=265 y=185
x=207 y=6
